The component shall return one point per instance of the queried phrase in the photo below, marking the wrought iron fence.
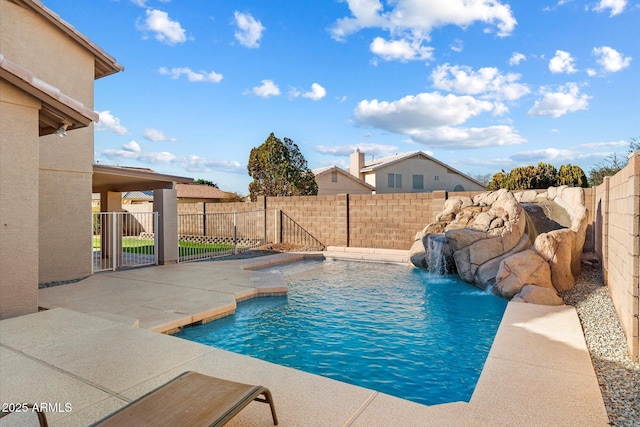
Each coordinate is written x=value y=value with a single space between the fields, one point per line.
x=208 y=235
x=296 y=236
x=124 y=239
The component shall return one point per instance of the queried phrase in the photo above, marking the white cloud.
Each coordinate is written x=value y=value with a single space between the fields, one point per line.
x=267 y=89
x=190 y=163
x=462 y=138
x=377 y=150
x=566 y=99
x=410 y=22
x=616 y=6
x=108 y=122
x=419 y=111
x=132 y=146
x=249 y=30
x=610 y=59
x=402 y=50
x=607 y=144
x=166 y=30
x=555 y=156
x=192 y=76
x=457 y=46
x=517 y=58
x=141 y=3
x=488 y=82
x=562 y=63
x=547 y=155
x=418 y=18
x=429 y=118
x=155 y=135
x=316 y=93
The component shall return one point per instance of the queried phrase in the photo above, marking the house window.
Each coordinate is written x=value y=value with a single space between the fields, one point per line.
x=436 y=178
x=418 y=182
x=334 y=176
x=458 y=188
x=395 y=180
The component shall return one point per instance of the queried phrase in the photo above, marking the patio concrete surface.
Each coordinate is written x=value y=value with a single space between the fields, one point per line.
x=86 y=352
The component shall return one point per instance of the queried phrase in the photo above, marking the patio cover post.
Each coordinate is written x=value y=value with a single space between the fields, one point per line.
x=165 y=202
x=110 y=241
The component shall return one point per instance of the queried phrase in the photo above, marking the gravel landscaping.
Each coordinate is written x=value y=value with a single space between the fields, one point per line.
x=618 y=376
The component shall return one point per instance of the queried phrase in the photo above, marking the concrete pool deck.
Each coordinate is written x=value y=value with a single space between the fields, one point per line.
x=87 y=351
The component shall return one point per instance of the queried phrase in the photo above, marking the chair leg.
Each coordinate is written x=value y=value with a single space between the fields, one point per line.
x=269 y=399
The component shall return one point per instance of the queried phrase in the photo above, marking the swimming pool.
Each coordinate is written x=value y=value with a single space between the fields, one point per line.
x=390 y=328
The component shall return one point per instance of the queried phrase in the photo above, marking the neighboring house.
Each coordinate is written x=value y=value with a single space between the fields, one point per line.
x=333 y=180
x=137 y=197
x=186 y=193
x=47 y=73
x=194 y=193
x=413 y=172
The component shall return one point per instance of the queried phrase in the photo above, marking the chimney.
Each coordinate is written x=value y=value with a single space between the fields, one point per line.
x=356 y=163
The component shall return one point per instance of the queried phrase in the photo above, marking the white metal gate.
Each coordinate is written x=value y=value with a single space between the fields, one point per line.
x=124 y=239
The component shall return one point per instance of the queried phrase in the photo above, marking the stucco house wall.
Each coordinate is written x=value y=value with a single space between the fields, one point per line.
x=18 y=201
x=435 y=177
x=65 y=164
x=345 y=183
x=47 y=72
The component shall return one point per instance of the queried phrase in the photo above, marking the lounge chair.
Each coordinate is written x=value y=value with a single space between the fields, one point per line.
x=191 y=399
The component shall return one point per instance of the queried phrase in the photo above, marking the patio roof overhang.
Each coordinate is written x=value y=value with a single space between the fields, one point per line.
x=119 y=178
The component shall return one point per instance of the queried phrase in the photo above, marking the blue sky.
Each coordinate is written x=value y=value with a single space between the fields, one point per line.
x=482 y=85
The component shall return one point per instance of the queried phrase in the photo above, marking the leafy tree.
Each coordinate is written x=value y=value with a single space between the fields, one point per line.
x=546 y=176
x=573 y=176
x=611 y=165
x=278 y=168
x=205 y=182
x=497 y=181
x=538 y=177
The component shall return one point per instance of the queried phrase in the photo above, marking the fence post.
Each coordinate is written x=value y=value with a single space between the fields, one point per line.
x=235 y=233
x=204 y=218
x=275 y=226
x=114 y=248
x=155 y=238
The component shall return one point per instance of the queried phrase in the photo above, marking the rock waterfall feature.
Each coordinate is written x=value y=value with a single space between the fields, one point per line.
x=524 y=246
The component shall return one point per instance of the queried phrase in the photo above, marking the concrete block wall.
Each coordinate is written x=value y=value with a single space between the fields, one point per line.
x=617 y=238
x=390 y=221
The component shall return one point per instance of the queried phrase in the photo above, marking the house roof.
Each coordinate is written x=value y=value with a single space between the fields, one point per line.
x=200 y=191
x=373 y=165
x=105 y=64
x=57 y=108
x=326 y=170
x=121 y=178
x=138 y=195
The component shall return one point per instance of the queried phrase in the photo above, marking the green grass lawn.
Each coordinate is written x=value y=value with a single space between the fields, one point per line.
x=145 y=246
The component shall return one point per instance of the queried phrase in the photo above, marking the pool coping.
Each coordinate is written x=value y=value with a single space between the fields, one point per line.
x=538 y=371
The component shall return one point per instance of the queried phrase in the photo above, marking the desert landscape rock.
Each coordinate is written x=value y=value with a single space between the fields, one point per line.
x=524 y=246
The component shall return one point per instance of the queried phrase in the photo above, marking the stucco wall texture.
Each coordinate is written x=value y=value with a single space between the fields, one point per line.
x=46 y=181
x=18 y=202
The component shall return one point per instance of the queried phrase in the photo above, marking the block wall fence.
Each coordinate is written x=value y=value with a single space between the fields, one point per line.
x=617 y=241
x=386 y=221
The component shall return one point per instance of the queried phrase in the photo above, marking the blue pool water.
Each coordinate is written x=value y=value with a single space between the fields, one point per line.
x=390 y=328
